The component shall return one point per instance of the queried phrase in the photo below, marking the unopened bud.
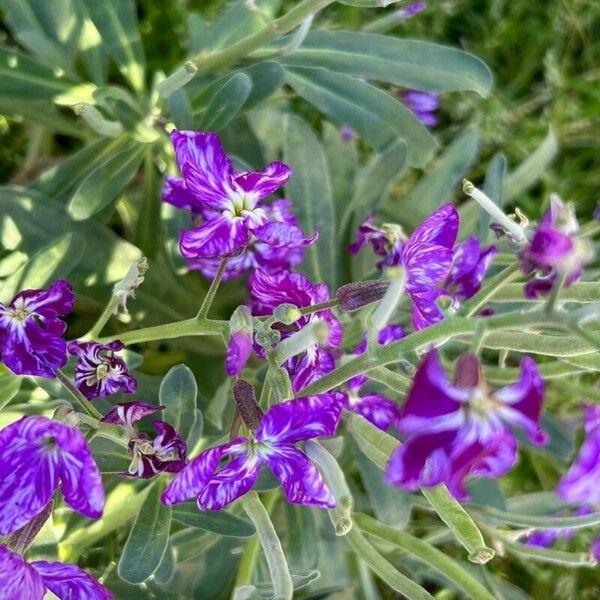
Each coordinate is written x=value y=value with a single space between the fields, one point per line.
x=354 y=296
x=241 y=320
x=246 y=404
x=96 y=120
x=287 y=314
x=125 y=289
x=265 y=336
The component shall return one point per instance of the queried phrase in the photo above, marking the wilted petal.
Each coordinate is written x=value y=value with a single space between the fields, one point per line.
x=522 y=401
x=301 y=419
x=195 y=477
x=128 y=413
x=283 y=235
x=238 y=352
x=215 y=238
x=18 y=580
x=35 y=454
x=300 y=479
x=423 y=461
x=69 y=582
x=265 y=182
x=368 y=233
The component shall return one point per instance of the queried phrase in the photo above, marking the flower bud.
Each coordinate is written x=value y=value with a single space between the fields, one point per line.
x=246 y=404
x=287 y=314
x=354 y=296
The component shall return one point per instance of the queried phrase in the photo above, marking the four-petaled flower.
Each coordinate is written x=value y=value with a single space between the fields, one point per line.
x=555 y=250
x=229 y=205
x=216 y=483
x=31 y=332
x=36 y=455
x=376 y=408
x=460 y=429
x=166 y=453
x=30 y=581
x=99 y=371
x=581 y=483
x=269 y=290
x=435 y=268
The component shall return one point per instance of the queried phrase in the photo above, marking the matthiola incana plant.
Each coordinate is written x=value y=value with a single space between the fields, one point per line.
x=243 y=356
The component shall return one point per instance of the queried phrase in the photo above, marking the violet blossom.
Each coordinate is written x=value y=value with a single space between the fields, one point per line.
x=31 y=331
x=215 y=483
x=378 y=409
x=435 y=267
x=233 y=220
x=555 y=250
x=462 y=428
x=165 y=453
x=581 y=483
x=422 y=104
x=36 y=456
x=269 y=290
x=99 y=371
x=30 y=581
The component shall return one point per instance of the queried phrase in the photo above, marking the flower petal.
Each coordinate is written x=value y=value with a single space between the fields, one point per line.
x=300 y=479
x=238 y=352
x=69 y=582
x=215 y=238
x=301 y=419
x=195 y=477
x=128 y=413
x=283 y=235
x=175 y=192
x=265 y=182
x=440 y=228
x=377 y=409
x=17 y=579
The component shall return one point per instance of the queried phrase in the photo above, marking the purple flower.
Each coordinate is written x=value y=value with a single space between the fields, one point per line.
x=30 y=581
x=595 y=549
x=166 y=453
x=376 y=408
x=462 y=428
x=99 y=371
x=347 y=133
x=581 y=483
x=229 y=205
x=545 y=538
x=36 y=455
x=555 y=250
x=222 y=474
x=434 y=266
x=238 y=352
x=31 y=331
x=411 y=10
x=423 y=104
x=269 y=290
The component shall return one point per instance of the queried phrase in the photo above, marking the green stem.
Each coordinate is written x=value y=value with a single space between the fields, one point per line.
x=188 y=327
x=381 y=567
x=107 y=313
x=271 y=31
x=79 y=398
x=212 y=290
x=308 y=310
x=248 y=562
x=431 y=556
x=283 y=588
x=554 y=293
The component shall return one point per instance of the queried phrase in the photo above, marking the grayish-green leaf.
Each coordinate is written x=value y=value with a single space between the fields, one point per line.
x=148 y=539
x=116 y=21
x=222 y=522
x=178 y=393
x=9 y=386
x=408 y=63
x=493 y=187
x=532 y=168
x=181 y=110
x=310 y=188
x=266 y=78
x=110 y=456
x=377 y=116
x=226 y=102
x=106 y=182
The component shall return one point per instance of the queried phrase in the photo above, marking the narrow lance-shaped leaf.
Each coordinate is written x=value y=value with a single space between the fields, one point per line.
x=221 y=522
x=226 y=103
x=148 y=539
x=376 y=116
x=310 y=189
x=178 y=392
x=408 y=63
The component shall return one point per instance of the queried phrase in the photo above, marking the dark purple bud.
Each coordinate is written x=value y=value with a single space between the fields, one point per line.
x=247 y=406
x=21 y=539
x=354 y=296
x=467 y=371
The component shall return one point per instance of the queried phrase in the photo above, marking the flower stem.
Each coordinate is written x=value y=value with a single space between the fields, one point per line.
x=107 y=313
x=558 y=284
x=168 y=331
x=212 y=290
x=79 y=398
x=283 y=588
x=308 y=310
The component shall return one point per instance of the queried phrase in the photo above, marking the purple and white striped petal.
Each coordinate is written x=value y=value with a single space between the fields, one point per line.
x=128 y=413
x=301 y=419
x=377 y=409
x=300 y=479
x=18 y=580
x=175 y=192
x=283 y=235
x=264 y=183
x=69 y=582
x=238 y=352
x=218 y=237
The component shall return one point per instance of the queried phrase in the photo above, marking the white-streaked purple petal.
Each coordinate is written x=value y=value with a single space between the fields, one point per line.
x=128 y=413
x=283 y=235
x=69 y=582
x=264 y=183
x=300 y=479
x=175 y=192
x=18 y=580
x=440 y=228
x=377 y=409
x=301 y=419
x=218 y=237
x=238 y=352
x=194 y=478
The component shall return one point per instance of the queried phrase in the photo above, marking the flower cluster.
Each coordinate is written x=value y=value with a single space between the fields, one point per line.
x=436 y=267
